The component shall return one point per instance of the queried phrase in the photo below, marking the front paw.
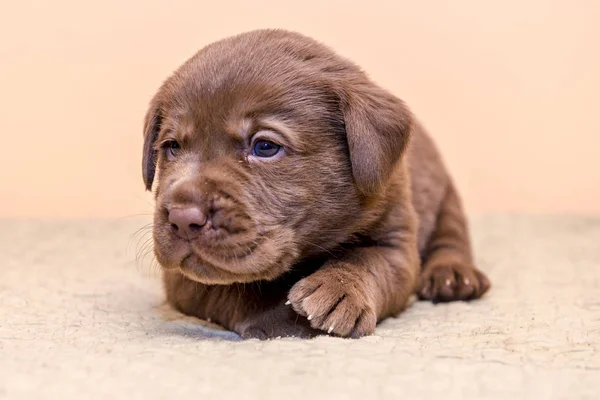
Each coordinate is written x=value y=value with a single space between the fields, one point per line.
x=336 y=302
x=451 y=282
x=280 y=321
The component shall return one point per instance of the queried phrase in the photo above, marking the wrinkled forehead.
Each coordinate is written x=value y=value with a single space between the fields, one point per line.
x=231 y=100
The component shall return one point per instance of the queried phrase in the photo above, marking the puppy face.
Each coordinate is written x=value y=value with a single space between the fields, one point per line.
x=269 y=149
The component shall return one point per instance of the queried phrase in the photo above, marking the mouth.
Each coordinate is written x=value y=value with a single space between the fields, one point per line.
x=238 y=260
x=197 y=269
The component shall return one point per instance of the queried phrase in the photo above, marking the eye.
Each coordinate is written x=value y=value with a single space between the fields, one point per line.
x=171 y=148
x=265 y=149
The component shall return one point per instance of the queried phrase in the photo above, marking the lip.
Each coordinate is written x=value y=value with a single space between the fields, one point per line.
x=194 y=268
x=170 y=250
x=222 y=258
x=170 y=263
x=230 y=252
x=198 y=270
x=211 y=261
x=212 y=253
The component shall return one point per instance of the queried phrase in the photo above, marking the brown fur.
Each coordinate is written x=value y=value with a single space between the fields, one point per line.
x=338 y=226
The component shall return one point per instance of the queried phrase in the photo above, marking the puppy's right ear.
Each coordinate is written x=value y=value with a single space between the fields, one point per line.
x=152 y=124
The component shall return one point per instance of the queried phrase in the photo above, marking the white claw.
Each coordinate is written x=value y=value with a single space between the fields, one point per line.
x=448 y=282
x=330 y=329
x=309 y=317
x=287 y=303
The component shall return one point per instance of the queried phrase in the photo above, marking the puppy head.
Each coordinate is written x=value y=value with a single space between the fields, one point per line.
x=269 y=149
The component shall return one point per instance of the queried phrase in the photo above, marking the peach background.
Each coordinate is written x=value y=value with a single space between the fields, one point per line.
x=510 y=89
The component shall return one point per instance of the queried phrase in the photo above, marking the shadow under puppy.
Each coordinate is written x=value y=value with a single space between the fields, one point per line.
x=296 y=197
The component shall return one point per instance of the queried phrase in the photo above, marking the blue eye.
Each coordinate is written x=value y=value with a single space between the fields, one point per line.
x=172 y=148
x=265 y=149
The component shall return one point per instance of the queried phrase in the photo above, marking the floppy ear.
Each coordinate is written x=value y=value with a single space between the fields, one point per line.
x=152 y=123
x=378 y=127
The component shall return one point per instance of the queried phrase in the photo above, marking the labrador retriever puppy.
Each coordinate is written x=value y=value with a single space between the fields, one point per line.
x=294 y=196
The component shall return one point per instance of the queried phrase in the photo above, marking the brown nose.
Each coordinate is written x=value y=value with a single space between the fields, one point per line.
x=187 y=221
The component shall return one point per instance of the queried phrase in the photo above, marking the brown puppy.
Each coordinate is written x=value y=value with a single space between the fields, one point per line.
x=295 y=196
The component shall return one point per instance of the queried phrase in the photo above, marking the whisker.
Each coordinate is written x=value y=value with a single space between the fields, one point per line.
x=154 y=265
x=144 y=237
x=319 y=247
x=143 y=251
x=139 y=234
x=149 y=214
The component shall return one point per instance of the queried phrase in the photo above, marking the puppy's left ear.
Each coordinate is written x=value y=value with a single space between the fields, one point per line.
x=152 y=124
x=378 y=127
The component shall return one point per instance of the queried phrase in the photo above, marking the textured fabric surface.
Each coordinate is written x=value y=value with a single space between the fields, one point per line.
x=81 y=318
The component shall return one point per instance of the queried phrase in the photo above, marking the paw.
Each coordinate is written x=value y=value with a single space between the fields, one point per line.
x=281 y=321
x=441 y=283
x=335 y=302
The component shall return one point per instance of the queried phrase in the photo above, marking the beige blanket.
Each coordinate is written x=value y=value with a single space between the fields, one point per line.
x=80 y=318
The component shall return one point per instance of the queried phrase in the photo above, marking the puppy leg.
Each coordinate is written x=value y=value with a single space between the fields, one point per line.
x=277 y=321
x=252 y=311
x=349 y=295
x=448 y=272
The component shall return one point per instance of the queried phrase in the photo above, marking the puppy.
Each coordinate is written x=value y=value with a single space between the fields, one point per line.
x=294 y=196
